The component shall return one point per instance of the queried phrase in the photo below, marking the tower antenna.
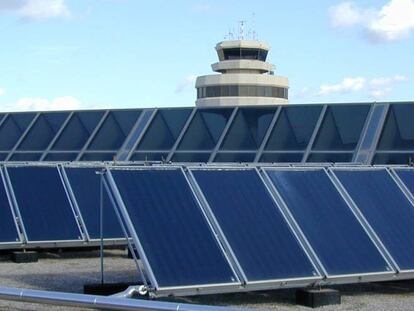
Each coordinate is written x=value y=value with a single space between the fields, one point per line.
x=241 y=30
x=254 y=32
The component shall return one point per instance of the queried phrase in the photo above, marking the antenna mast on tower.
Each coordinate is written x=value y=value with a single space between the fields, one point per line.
x=241 y=30
x=255 y=36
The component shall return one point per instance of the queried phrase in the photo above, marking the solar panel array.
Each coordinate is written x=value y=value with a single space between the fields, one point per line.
x=380 y=133
x=208 y=229
x=53 y=206
x=269 y=227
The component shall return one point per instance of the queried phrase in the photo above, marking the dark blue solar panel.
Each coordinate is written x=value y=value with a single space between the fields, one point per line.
x=407 y=176
x=386 y=208
x=8 y=230
x=256 y=230
x=88 y=199
x=175 y=236
x=331 y=228
x=43 y=204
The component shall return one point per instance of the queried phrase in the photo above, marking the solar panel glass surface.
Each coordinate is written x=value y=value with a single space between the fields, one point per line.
x=175 y=236
x=44 y=206
x=331 y=228
x=8 y=230
x=258 y=234
x=85 y=183
x=386 y=208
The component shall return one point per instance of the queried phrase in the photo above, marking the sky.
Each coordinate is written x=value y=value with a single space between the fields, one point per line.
x=82 y=54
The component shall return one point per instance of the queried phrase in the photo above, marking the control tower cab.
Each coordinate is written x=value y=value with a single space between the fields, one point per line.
x=245 y=78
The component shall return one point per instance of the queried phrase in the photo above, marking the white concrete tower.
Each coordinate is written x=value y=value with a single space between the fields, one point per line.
x=245 y=78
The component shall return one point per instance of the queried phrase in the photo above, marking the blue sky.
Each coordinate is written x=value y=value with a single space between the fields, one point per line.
x=62 y=54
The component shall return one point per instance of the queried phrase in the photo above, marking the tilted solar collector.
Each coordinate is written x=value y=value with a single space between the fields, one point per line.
x=256 y=231
x=386 y=208
x=46 y=213
x=175 y=240
x=85 y=186
x=9 y=234
x=334 y=233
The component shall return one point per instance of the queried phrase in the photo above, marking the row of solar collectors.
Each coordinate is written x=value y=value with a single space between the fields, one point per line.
x=51 y=206
x=379 y=133
x=204 y=230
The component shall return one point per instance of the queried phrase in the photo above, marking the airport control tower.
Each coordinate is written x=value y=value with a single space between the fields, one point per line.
x=244 y=77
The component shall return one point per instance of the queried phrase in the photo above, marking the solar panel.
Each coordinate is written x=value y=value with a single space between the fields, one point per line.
x=8 y=228
x=85 y=184
x=12 y=127
x=174 y=238
x=246 y=133
x=341 y=128
x=298 y=133
x=338 y=239
x=254 y=227
x=386 y=209
x=161 y=135
x=47 y=215
x=407 y=177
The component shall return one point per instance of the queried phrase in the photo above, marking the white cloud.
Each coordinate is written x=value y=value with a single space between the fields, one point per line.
x=393 y=21
x=2 y=91
x=186 y=84
x=347 y=85
x=347 y=14
x=36 y=9
x=386 y=82
x=44 y=9
x=375 y=87
x=40 y=104
x=380 y=93
x=381 y=87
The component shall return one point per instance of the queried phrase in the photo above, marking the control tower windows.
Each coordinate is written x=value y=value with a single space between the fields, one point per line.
x=242 y=91
x=243 y=53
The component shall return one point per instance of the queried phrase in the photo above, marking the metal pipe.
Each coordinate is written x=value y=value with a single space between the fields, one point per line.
x=131 y=291
x=98 y=302
x=101 y=246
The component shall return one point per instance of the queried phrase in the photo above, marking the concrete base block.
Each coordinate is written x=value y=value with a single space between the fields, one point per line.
x=105 y=289
x=315 y=298
x=24 y=257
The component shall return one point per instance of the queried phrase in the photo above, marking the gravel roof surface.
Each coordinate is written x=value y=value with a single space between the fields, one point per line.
x=69 y=271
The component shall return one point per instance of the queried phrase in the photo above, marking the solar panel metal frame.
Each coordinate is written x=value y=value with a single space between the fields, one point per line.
x=72 y=199
x=329 y=278
x=47 y=243
x=223 y=135
x=181 y=135
x=155 y=290
x=392 y=171
x=382 y=109
x=124 y=229
x=249 y=285
x=134 y=144
x=23 y=135
x=71 y=194
x=19 y=243
x=400 y=273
